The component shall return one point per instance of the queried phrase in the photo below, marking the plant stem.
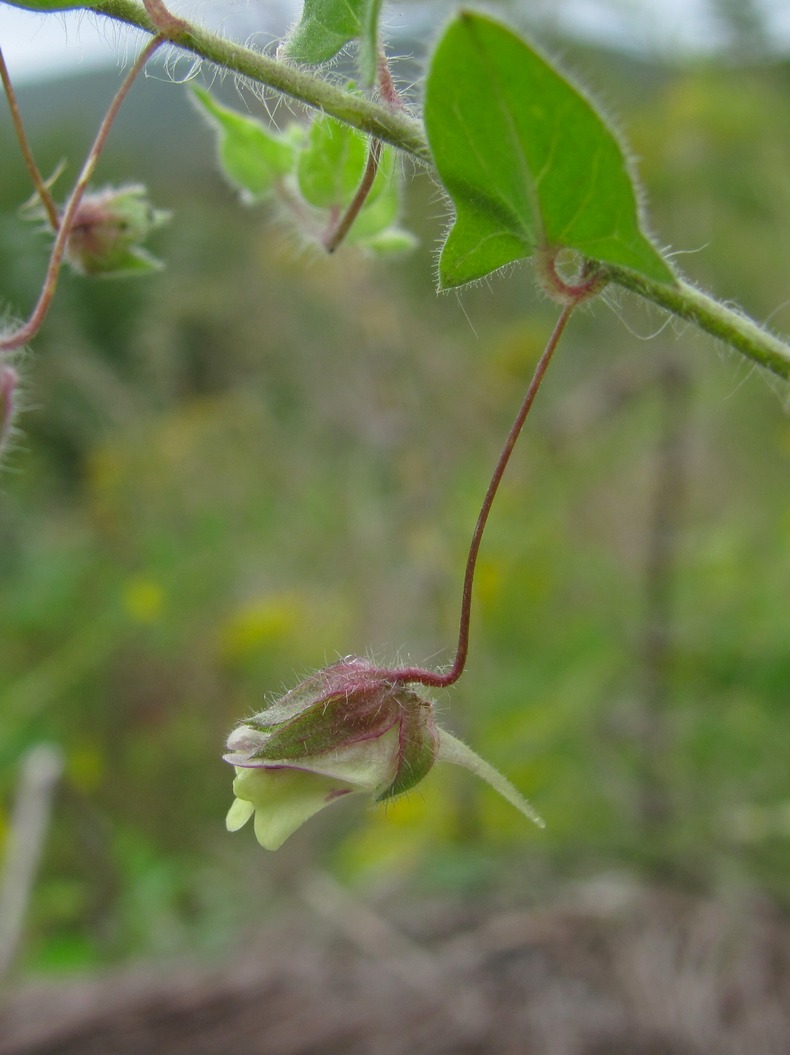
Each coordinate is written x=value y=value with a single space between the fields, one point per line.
x=731 y=326
x=336 y=235
x=38 y=180
x=429 y=677
x=166 y=24
x=387 y=90
x=29 y=329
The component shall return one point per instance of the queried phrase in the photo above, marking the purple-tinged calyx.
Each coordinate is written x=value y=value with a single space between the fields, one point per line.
x=347 y=705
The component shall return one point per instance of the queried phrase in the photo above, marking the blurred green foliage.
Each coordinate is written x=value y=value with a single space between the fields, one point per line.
x=259 y=459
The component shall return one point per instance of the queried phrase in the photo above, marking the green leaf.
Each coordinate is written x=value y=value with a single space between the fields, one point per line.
x=369 y=41
x=326 y=26
x=251 y=157
x=528 y=162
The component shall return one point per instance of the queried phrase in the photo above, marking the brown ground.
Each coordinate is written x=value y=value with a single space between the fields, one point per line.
x=615 y=970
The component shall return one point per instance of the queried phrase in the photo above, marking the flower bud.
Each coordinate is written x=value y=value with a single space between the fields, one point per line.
x=344 y=729
x=108 y=229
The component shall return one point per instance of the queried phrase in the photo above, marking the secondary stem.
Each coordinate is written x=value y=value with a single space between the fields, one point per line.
x=335 y=237
x=38 y=180
x=432 y=678
x=29 y=329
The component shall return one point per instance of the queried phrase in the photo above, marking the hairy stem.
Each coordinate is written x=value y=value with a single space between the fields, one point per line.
x=387 y=90
x=370 y=117
x=166 y=24
x=731 y=326
x=38 y=180
x=30 y=328
x=430 y=677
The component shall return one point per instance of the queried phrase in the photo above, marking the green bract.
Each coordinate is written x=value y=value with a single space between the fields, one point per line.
x=529 y=164
x=314 y=171
x=251 y=156
x=329 y=171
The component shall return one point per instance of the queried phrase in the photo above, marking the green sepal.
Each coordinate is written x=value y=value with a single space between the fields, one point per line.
x=452 y=750
x=126 y=264
x=333 y=722
x=419 y=744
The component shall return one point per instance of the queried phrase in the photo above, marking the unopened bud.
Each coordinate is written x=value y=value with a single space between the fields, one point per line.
x=344 y=729
x=108 y=231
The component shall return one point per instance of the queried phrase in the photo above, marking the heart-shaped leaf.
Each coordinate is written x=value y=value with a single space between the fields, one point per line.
x=529 y=163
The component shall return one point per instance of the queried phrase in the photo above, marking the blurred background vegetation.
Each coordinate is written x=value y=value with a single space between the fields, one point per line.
x=258 y=460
